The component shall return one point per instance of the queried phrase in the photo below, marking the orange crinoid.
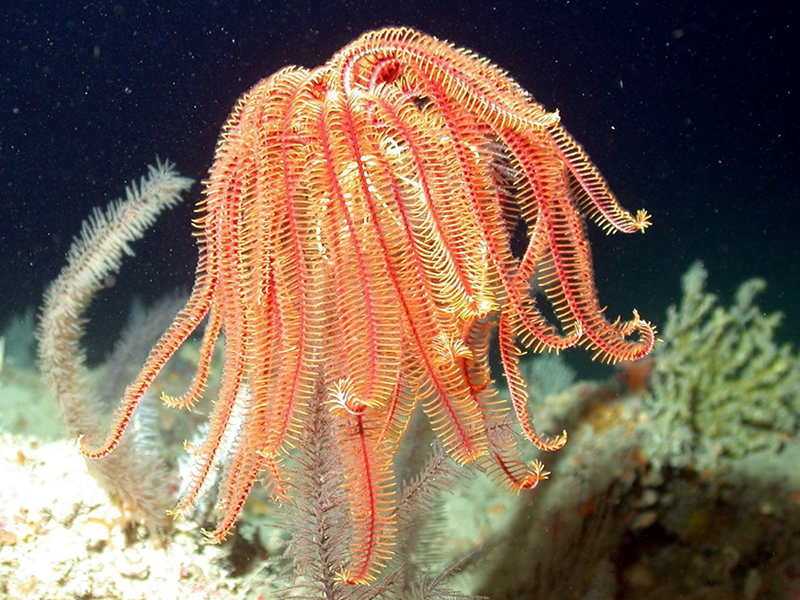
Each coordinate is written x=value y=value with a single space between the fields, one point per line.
x=355 y=250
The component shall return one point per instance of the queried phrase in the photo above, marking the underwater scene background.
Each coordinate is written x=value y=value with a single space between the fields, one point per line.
x=679 y=479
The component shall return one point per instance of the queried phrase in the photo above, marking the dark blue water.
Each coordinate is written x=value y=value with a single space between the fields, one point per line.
x=687 y=109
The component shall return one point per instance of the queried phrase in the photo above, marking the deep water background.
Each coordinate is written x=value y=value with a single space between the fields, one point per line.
x=686 y=107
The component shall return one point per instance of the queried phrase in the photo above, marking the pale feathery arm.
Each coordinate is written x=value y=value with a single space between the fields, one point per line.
x=134 y=476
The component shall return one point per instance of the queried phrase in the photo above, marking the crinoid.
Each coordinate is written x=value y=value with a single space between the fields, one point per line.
x=355 y=250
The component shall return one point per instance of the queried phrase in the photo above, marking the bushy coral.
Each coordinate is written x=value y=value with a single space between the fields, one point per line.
x=723 y=387
x=547 y=375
